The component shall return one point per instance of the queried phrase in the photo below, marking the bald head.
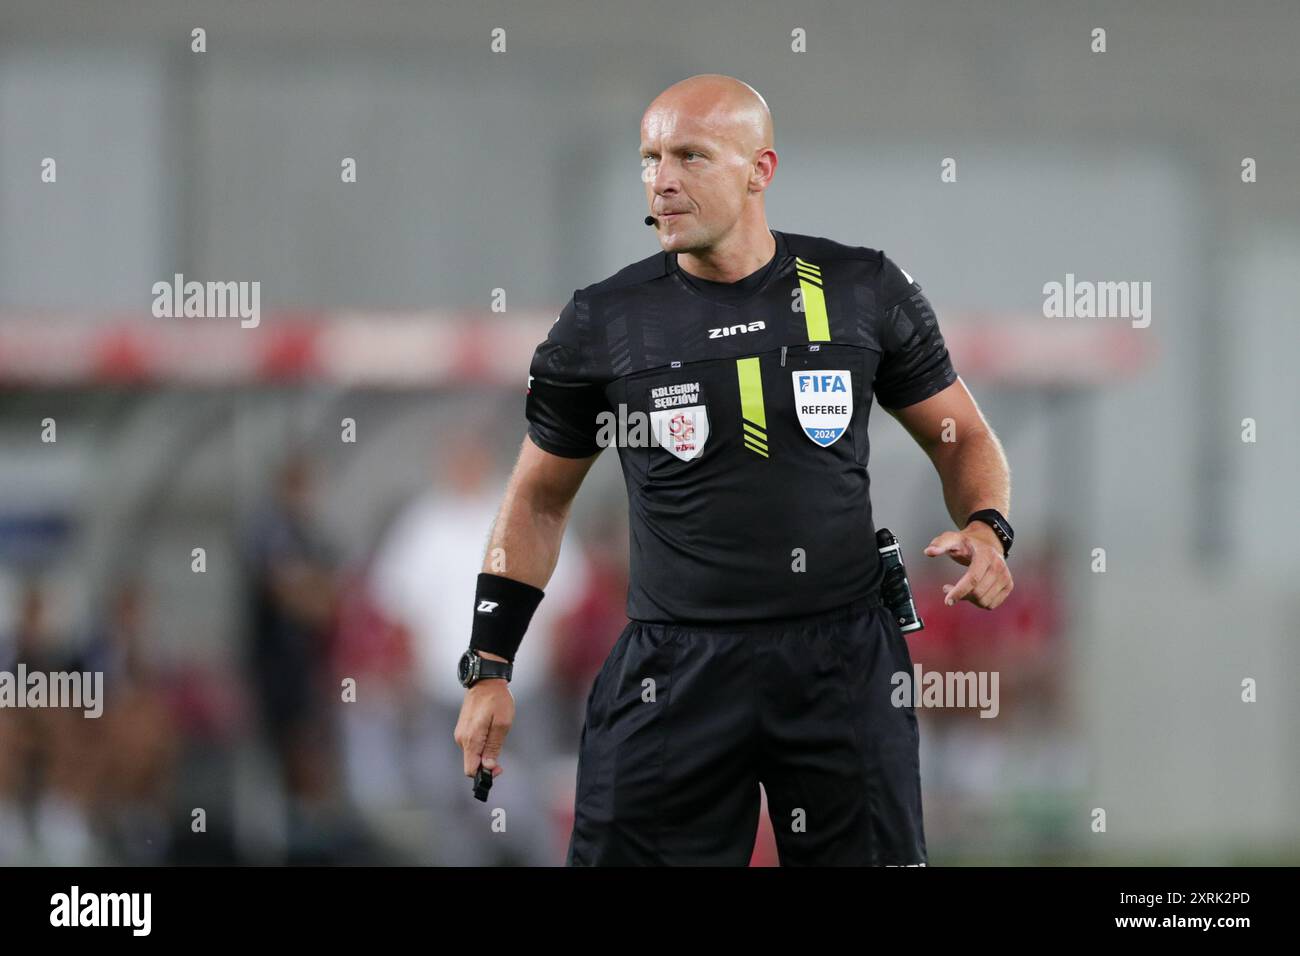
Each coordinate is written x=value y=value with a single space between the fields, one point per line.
x=723 y=103
x=707 y=159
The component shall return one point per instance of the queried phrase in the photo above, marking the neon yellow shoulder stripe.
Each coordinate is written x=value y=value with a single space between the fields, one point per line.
x=814 y=301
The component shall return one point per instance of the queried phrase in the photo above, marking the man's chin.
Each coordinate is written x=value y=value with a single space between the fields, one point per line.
x=679 y=242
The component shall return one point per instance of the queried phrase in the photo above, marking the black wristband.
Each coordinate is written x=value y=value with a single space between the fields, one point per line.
x=1000 y=525
x=502 y=609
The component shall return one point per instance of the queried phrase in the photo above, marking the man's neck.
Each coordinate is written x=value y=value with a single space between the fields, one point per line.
x=731 y=261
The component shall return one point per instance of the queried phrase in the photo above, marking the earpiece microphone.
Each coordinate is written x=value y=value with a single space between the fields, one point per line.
x=651 y=221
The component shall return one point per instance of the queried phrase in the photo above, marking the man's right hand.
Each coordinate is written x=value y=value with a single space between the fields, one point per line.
x=485 y=718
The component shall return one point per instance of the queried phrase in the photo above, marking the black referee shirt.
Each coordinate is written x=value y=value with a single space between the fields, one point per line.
x=749 y=498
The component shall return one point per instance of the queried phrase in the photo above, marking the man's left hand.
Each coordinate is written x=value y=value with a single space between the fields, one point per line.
x=988 y=581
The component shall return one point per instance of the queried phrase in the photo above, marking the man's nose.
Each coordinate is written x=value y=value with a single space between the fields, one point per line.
x=665 y=178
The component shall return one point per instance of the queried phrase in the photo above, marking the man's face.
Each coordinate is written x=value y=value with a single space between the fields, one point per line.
x=696 y=177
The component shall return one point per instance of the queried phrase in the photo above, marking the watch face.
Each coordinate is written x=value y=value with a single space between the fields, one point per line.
x=465 y=667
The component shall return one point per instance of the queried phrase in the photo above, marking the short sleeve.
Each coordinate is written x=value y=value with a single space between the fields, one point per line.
x=564 y=398
x=915 y=363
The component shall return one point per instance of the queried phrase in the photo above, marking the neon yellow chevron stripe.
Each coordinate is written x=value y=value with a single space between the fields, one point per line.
x=814 y=312
x=756 y=449
x=814 y=302
x=754 y=433
x=750 y=378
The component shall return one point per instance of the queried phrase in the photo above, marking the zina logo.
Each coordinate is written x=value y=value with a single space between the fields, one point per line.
x=736 y=330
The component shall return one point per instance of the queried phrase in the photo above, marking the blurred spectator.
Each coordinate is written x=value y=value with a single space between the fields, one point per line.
x=424 y=577
x=135 y=742
x=994 y=781
x=375 y=650
x=46 y=780
x=292 y=586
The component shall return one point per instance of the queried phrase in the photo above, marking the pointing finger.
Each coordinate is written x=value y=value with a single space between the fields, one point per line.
x=959 y=590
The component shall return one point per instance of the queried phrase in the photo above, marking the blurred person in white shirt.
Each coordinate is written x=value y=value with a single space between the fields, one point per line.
x=422 y=570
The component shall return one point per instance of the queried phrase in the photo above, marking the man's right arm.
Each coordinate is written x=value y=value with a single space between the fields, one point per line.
x=524 y=546
x=525 y=540
x=565 y=399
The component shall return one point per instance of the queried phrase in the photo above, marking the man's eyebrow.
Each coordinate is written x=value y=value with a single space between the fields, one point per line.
x=682 y=148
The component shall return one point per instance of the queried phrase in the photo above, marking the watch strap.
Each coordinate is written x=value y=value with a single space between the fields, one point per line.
x=1001 y=527
x=490 y=668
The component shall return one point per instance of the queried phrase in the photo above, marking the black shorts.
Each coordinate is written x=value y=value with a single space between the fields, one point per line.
x=684 y=722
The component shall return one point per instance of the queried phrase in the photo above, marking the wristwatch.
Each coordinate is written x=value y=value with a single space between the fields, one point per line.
x=473 y=668
x=993 y=518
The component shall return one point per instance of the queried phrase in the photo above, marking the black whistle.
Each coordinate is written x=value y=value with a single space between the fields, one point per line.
x=482 y=783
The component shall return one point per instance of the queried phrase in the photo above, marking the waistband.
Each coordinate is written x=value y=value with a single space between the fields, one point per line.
x=842 y=613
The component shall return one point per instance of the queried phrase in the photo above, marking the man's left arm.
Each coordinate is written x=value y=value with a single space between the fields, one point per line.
x=973 y=468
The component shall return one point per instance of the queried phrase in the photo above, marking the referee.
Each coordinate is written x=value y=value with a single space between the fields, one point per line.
x=757 y=649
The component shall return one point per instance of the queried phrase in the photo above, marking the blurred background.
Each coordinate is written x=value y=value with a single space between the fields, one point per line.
x=340 y=463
